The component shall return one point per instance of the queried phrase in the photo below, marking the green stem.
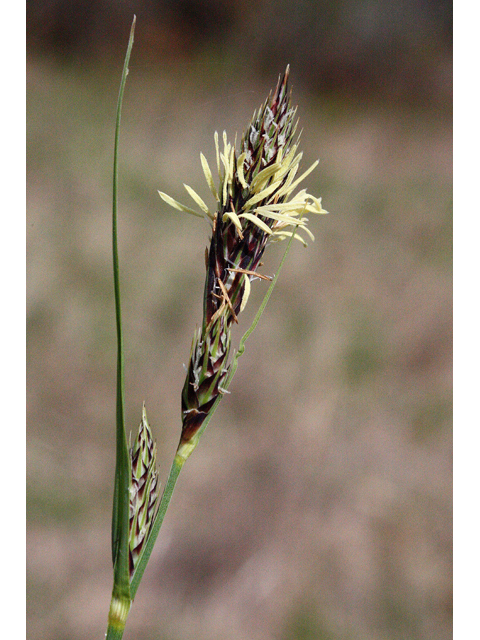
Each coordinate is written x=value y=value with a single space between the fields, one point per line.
x=117 y=617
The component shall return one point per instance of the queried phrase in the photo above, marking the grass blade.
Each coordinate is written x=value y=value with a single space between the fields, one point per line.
x=121 y=599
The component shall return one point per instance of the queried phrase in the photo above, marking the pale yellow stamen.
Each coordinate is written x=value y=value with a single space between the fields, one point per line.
x=177 y=205
x=253 y=218
x=246 y=294
x=235 y=219
x=292 y=187
x=209 y=177
x=240 y=174
x=217 y=154
x=262 y=195
x=288 y=234
x=262 y=178
x=198 y=200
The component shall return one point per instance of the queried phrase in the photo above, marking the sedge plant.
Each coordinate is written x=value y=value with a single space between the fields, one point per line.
x=256 y=202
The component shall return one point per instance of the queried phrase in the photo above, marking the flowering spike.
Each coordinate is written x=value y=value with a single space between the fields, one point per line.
x=144 y=492
x=256 y=204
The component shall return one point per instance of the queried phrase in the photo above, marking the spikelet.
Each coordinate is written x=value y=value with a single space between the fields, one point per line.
x=144 y=490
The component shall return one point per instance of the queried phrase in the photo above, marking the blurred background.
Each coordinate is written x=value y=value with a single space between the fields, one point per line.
x=318 y=503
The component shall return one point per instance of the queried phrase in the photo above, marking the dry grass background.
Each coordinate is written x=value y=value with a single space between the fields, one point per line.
x=318 y=504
